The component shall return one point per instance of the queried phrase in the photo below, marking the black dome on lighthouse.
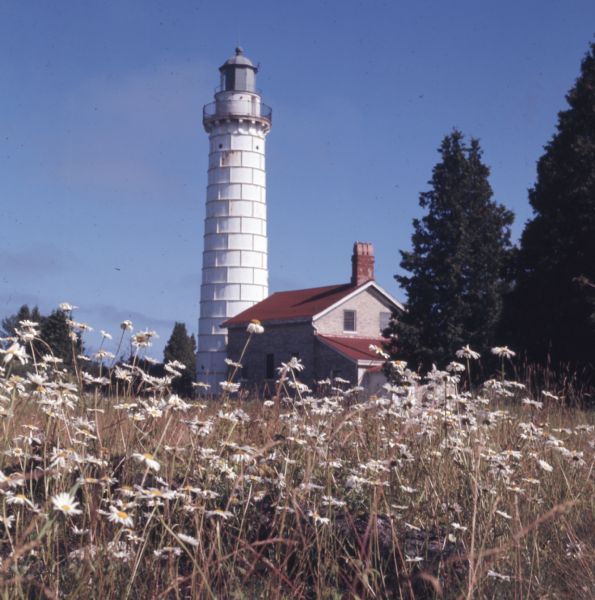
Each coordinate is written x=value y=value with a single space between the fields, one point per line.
x=238 y=60
x=238 y=73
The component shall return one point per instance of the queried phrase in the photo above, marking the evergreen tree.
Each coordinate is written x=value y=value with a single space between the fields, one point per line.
x=11 y=323
x=459 y=251
x=549 y=313
x=56 y=334
x=182 y=347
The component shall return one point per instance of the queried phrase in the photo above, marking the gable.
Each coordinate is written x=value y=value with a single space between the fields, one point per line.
x=368 y=303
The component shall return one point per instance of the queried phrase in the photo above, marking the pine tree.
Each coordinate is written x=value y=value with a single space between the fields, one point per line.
x=11 y=323
x=182 y=347
x=550 y=311
x=459 y=250
x=56 y=334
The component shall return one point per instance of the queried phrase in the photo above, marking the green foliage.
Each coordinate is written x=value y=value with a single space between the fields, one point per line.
x=460 y=249
x=56 y=334
x=11 y=323
x=53 y=333
x=181 y=347
x=550 y=311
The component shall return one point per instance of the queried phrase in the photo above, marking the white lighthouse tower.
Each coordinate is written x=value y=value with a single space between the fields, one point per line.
x=234 y=264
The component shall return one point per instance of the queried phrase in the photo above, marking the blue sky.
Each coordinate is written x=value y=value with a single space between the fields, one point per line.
x=103 y=158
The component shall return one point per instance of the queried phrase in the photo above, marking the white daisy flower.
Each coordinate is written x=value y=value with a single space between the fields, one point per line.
x=466 y=352
x=224 y=514
x=15 y=351
x=126 y=325
x=66 y=503
x=188 y=539
x=545 y=465
x=255 y=327
x=120 y=516
x=148 y=459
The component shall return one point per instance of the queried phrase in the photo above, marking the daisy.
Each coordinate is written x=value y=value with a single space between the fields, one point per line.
x=545 y=465
x=379 y=351
x=233 y=363
x=224 y=514
x=228 y=386
x=7 y=521
x=414 y=559
x=499 y=576
x=466 y=352
x=156 y=493
x=188 y=539
x=154 y=412
x=148 y=459
x=255 y=327
x=503 y=514
x=120 y=516
x=66 y=503
x=142 y=339
x=503 y=351
x=66 y=307
x=318 y=520
x=177 y=403
x=201 y=384
x=19 y=499
x=15 y=351
x=530 y=402
x=126 y=490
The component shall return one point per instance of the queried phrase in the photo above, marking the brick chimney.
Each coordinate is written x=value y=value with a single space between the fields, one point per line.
x=362 y=263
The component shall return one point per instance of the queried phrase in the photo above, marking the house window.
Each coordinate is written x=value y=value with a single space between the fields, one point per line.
x=348 y=320
x=384 y=321
x=270 y=366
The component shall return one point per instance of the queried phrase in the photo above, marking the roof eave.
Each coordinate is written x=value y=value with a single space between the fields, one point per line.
x=345 y=355
x=292 y=321
x=357 y=291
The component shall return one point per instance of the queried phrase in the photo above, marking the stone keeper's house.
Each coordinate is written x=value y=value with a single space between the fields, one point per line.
x=330 y=329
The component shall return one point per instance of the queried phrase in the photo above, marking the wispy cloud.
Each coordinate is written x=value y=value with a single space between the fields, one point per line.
x=104 y=313
x=40 y=260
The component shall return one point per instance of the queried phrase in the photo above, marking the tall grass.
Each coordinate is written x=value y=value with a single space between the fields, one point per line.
x=423 y=491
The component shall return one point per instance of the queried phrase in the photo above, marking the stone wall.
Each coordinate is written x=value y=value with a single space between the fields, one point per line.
x=368 y=305
x=329 y=363
x=282 y=341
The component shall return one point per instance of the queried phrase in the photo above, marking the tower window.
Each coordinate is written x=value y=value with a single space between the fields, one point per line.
x=349 y=320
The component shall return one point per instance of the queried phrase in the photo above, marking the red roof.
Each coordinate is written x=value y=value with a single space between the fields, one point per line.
x=293 y=304
x=356 y=348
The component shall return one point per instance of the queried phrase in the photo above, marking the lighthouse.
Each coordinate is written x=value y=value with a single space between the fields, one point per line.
x=234 y=260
